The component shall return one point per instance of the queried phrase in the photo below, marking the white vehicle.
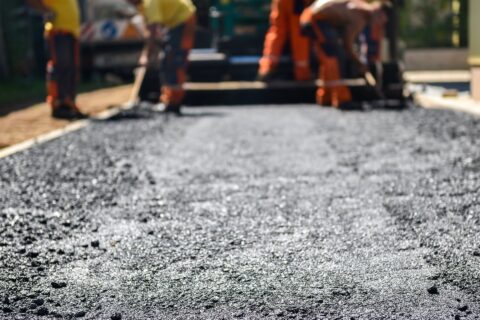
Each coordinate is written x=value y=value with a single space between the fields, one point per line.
x=111 y=36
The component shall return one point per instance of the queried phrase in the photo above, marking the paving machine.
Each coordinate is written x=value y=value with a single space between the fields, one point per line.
x=223 y=70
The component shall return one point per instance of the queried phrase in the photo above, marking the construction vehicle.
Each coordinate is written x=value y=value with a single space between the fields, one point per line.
x=223 y=66
x=238 y=28
x=111 y=36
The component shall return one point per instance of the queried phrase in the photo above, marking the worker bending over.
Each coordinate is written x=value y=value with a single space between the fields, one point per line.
x=335 y=26
x=62 y=29
x=373 y=35
x=284 y=24
x=173 y=22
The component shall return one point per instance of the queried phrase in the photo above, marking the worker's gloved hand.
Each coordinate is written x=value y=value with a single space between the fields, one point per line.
x=361 y=68
x=307 y=30
x=149 y=58
x=143 y=61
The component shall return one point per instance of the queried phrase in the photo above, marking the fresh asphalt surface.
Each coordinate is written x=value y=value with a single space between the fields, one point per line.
x=292 y=212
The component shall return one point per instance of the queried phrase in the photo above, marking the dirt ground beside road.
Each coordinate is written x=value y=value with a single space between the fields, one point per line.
x=31 y=122
x=265 y=212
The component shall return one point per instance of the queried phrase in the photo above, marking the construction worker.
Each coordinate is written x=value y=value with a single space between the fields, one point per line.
x=284 y=24
x=62 y=29
x=335 y=26
x=373 y=35
x=173 y=22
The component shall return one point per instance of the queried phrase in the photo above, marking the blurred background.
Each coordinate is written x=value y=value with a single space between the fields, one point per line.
x=433 y=33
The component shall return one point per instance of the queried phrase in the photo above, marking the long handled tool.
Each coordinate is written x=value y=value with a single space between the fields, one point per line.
x=137 y=84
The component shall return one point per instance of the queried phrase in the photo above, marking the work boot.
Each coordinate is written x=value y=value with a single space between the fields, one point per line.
x=67 y=112
x=265 y=77
x=350 y=105
x=176 y=109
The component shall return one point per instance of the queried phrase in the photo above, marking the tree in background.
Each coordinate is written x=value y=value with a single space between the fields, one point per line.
x=463 y=23
x=3 y=54
x=433 y=23
x=22 y=39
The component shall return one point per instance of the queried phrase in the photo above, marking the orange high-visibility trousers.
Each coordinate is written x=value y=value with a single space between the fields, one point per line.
x=285 y=24
x=332 y=61
x=181 y=39
x=62 y=69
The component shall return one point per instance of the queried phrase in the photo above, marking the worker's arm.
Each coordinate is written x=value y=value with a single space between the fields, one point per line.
x=153 y=35
x=39 y=6
x=350 y=36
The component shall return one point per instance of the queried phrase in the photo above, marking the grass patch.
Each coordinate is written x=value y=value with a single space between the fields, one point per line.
x=19 y=91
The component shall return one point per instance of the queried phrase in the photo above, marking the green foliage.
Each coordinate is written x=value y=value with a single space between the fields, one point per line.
x=429 y=23
x=464 y=23
x=16 y=31
x=32 y=90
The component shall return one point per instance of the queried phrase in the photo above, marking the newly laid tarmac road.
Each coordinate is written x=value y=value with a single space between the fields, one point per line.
x=293 y=212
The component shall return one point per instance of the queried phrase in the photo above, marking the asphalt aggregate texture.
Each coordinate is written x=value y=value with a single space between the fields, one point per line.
x=263 y=212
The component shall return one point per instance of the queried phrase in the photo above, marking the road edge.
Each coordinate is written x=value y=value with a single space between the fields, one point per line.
x=55 y=134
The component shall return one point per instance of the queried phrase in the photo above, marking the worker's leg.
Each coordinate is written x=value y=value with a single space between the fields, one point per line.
x=300 y=44
x=62 y=70
x=275 y=37
x=175 y=63
x=331 y=73
x=373 y=35
x=331 y=58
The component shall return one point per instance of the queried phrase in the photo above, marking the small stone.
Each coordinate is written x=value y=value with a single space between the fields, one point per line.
x=43 y=311
x=463 y=308
x=59 y=284
x=476 y=253
x=32 y=254
x=80 y=314
x=293 y=309
x=116 y=316
x=95 y=243
x=7 y=310
x=38 y=301
x=433 y=290
x=279 y=313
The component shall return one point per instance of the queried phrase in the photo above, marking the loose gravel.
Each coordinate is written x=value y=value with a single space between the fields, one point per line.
x=265 y=212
